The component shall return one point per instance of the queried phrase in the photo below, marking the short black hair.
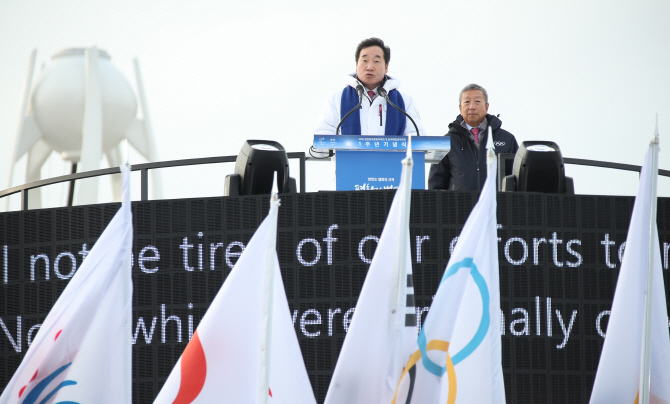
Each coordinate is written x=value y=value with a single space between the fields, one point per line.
x=366 y=43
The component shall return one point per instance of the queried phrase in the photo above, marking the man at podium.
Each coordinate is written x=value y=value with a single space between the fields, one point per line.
x=464 y=167
x=375 y=117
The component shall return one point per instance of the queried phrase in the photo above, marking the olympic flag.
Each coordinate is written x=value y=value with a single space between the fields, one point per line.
x=245 y=349
x=619 y=371
x=383 y=328
x=82 y=352
x=457 y=357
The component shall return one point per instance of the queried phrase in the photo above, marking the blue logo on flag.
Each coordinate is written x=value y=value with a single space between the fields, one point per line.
x=483 y=324
x=39 y=388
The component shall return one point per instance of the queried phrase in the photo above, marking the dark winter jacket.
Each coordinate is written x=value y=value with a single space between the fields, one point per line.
x=464 y=167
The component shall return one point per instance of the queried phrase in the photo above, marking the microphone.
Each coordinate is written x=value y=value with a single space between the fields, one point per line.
x=382 y=92
x=359 y=90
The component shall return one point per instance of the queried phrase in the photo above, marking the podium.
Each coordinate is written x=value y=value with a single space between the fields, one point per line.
x=373 y=162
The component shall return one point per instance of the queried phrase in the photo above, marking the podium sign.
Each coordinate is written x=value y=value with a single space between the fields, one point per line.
x=343 y=142
x=373 y=162
x=365 y=170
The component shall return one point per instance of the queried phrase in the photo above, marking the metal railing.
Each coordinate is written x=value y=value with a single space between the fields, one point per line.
x=504 y=157
x=144 y=172
x=144 y=175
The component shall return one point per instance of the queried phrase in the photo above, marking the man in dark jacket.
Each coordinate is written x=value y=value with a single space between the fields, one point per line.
x=464 y=167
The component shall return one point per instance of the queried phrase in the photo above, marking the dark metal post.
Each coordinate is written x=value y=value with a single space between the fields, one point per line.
x=24 y=199
x=144 y=183
x=303 y=182
x=501 y=170
x=301 y=157
x=502 y=159
x=70 y=197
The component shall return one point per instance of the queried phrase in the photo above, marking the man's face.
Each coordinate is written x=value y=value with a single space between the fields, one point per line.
x=473 y=107
x=371 y=67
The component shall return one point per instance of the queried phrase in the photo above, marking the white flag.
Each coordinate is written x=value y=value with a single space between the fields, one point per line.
x=226 y=361
x=457 y=357
x=618 y=376
x=383 y=328
x=82 y=352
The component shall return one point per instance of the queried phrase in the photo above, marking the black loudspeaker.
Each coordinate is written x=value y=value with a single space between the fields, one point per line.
x=539 y=167
x=255 y=167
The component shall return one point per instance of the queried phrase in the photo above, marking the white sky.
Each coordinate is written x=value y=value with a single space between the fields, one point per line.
x=589 y=75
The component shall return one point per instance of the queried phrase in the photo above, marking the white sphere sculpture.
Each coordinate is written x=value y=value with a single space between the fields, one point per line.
x=82 y=107
x=59 y=96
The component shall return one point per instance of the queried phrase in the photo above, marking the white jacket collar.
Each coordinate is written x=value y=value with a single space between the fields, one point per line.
x=390 y=84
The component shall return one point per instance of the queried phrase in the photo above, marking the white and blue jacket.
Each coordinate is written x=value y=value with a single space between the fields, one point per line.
x=372 y=118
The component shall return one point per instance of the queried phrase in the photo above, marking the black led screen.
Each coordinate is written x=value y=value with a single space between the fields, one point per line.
x=559 y=260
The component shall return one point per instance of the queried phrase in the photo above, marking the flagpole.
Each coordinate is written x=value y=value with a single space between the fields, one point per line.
x=645 y=365
x=400 y=277
x=266 y=317
x=126 y=204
